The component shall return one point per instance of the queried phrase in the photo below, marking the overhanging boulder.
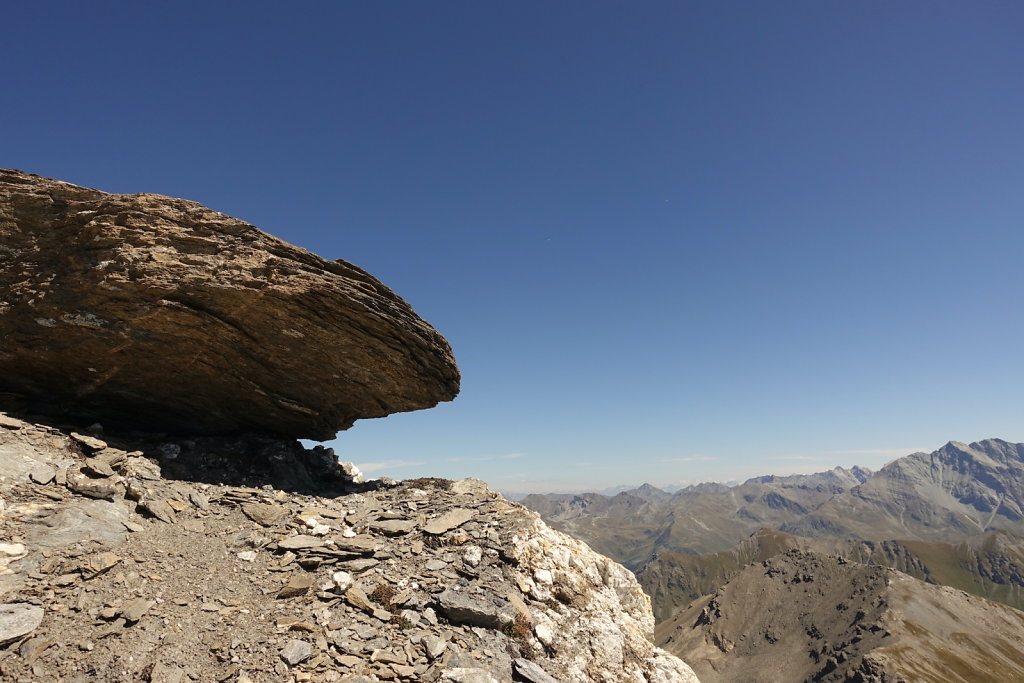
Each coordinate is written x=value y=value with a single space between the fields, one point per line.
x=160 y=313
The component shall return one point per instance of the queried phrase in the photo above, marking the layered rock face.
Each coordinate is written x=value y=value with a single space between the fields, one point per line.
x=116 y=572
x=160 y=313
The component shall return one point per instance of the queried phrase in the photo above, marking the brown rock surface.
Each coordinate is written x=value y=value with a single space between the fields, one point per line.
x=159 y=312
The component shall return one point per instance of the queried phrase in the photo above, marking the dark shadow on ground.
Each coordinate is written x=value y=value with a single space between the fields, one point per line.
x=243 y=459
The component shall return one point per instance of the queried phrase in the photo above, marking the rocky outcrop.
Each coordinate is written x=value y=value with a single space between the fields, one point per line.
x=804 y=616
x=160 y=313
x=114 y=571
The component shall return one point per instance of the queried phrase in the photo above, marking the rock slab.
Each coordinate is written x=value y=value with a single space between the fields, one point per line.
x=18 y=619
x=104 y=297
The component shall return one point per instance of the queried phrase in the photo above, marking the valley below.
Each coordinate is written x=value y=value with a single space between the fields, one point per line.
x=911 y=573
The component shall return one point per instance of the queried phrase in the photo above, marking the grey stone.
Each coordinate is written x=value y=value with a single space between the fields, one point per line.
x=18 y=619
x=363 y=545
x=99 y=467
x=393 y=527
x=135 y=609
x=531 y=671
x=31 y=649
x=468 y=675
x=296 y=651
x=43 y=474
x=199 y=499
x=78 y=520
x=359 y=566
x=462 y=609
x=301 y=542
x=434 y=646
x=110 y=488
x=90 y=442
x=159 y=509
x=449 y=520
x=262 y=514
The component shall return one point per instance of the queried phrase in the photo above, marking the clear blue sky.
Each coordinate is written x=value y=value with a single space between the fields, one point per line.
x=668 y=241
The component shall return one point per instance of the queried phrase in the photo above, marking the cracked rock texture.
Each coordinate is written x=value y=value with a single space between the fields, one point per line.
x=142 y=559
x=162 y=313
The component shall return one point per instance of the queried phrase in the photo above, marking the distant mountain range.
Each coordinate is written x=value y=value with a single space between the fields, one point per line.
x=830 y=576
x=957 y=491
x=633 y=526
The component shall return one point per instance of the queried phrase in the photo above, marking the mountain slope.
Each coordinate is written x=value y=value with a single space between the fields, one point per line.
x=805 y=616
x=989 y=565
x=957 y=491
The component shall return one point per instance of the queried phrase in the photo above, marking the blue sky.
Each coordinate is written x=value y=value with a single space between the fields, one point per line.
x=668 y=241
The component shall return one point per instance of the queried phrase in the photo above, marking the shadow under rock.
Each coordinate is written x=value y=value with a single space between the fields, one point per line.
x=243 y=459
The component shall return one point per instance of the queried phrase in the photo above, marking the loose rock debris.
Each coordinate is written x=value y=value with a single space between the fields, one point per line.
x=112 y=572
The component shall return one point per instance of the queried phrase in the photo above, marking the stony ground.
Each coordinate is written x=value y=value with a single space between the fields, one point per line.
x=111 y=571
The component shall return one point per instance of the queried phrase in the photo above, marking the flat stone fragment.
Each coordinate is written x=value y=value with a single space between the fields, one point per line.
x=12 y=549
x=531 y=671
x=11 y=422
x=99 y=467
x=363 y=545
x=299 y=584
x=199 y=499
x=42 y=474
x=109 y=487
x=468 y=675
x=31 y=649
x=301 y=541
x=159 y=509
x=361 y=565
x=134 y=610
x=356 y=597
x=434 y=646
x=462 y=609
x=18 y=619
x=293 y=345
x=393 y=527
x=449 y=520
x=263 y=514
x=90 y=442
x=99 y=563
x=296 y=651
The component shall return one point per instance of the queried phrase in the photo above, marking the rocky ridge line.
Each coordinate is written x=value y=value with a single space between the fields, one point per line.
x=114 y=572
